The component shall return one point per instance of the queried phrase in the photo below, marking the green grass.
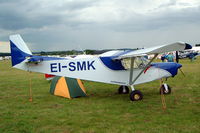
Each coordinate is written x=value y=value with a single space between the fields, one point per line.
x=103 y=110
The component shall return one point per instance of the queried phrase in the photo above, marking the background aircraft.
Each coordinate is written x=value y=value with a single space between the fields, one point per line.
x=121 y=67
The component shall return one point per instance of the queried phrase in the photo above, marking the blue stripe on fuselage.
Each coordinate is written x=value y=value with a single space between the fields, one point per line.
x=112 y=64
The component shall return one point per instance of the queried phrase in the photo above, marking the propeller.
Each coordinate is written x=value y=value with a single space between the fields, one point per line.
x=177 y=57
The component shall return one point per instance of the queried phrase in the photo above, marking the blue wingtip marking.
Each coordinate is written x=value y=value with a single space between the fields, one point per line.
x=188 y=46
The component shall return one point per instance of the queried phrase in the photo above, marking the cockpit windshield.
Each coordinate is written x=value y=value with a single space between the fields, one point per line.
x=139 y=62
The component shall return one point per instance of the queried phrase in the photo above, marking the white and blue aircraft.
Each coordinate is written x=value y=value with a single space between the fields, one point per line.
x=121 y=67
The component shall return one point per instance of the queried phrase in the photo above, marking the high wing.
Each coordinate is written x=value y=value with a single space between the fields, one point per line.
x=178 y=46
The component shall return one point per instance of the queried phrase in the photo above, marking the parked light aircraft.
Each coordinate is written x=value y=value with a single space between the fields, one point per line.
x=121 y=67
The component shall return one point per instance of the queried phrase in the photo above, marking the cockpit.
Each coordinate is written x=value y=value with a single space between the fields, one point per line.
x=110 y=59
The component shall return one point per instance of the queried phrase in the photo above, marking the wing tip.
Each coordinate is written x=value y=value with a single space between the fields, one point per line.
x=188 y=46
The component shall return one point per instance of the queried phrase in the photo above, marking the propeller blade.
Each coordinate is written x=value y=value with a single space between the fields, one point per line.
x=177 y=57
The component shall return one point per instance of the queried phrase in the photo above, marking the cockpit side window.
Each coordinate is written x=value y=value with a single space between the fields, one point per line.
x=139 y=62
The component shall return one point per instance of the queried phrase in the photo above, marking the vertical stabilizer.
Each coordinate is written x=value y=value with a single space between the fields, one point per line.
x=19 y=49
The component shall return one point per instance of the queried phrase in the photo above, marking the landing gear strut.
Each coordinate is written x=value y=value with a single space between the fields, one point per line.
x=136 y=95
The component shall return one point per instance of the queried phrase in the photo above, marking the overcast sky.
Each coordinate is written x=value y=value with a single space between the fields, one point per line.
x=100 y=24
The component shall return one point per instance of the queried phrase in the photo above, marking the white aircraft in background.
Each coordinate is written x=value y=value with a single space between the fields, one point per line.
x=121 y=67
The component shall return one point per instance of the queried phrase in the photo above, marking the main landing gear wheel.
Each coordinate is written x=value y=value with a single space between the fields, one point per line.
x=123 y=89
x=136 y=95
x=165 y=89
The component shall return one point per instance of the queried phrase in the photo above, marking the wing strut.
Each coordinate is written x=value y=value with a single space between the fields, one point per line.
x=131 y=81
x=131 y=70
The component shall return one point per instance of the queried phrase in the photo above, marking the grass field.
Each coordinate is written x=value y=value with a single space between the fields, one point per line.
x=103 y=110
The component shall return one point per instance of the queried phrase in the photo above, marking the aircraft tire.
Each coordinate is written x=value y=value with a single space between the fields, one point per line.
x=123 y=89
x=136 y=95
x=164 y=91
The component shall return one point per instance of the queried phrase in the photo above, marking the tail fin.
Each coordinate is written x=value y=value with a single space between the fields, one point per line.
x=19 y=49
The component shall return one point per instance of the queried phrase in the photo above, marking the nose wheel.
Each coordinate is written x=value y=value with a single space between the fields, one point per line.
x=165 y=89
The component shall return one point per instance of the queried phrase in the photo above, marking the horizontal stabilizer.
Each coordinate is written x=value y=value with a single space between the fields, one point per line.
x=35 y=59
x=38 y=59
